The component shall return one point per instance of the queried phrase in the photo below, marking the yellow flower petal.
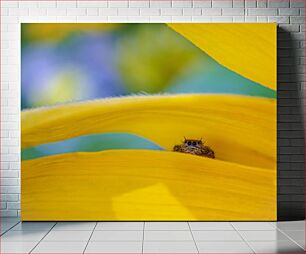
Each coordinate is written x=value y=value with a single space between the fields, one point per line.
x=239 y=129
x=248 y=49
x=144 y=185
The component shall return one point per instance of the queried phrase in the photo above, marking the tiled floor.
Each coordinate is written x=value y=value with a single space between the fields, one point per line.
x=152 y=237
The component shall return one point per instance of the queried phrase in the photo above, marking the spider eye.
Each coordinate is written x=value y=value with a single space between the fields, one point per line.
x=189 y=143
x=194 y=143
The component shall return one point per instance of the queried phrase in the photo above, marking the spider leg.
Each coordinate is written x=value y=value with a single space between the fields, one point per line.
x=177 y=148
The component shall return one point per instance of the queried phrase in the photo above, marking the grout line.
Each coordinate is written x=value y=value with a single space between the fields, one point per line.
x=273 y=224
x=143 y=229
x=193 y=237
x=143 y=232
x=90 y=236
x=10 y=228
x=290 y=238
x=42 y=238
x=247 y=243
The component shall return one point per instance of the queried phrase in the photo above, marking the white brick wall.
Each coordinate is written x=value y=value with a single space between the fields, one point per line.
x=288 y=13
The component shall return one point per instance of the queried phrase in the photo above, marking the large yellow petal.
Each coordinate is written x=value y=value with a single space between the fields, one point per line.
x=239 y=129
x=144 y=185
x=248 y=49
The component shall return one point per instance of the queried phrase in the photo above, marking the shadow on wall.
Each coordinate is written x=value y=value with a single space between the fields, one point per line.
x=290 y=126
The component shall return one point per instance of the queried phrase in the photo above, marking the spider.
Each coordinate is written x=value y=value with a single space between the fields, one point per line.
x=196 y=147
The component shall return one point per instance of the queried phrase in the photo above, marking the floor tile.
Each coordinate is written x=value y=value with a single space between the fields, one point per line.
x=166 y=226
x=301 y=243
x=253 y=226
x=211 y=226
x=164 y=235
x=60 y=247
x=22 y=236
x=3 y=230
x=169 y=247
x=114 y=247
x=8 y=224
x=33 y=226
x=6 y=227
x=9 y=220
x=99 y=236
x=273 y=224
x=17 y=247
x=223 y=247
x=276 y=247
x=291 y=225
x=274 y=235
x=119 y=226
x=63 y=226
x=295 y=234
x=160 y=237
x=216 y=236
x=68 y=236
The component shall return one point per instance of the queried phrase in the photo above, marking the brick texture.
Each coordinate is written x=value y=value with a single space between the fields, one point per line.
x=289 y=14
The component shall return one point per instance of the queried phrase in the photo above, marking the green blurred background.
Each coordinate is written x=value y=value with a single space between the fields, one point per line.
x=73 y=62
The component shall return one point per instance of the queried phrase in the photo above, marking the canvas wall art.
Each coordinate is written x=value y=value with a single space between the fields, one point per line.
x=148 y=122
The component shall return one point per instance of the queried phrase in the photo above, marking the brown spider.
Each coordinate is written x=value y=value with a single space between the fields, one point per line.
x=196 y=147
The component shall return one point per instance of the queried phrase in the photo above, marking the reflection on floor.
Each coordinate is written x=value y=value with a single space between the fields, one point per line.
x=152 y=237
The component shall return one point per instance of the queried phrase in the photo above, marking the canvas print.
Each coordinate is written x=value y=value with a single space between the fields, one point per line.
x=148 y=121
